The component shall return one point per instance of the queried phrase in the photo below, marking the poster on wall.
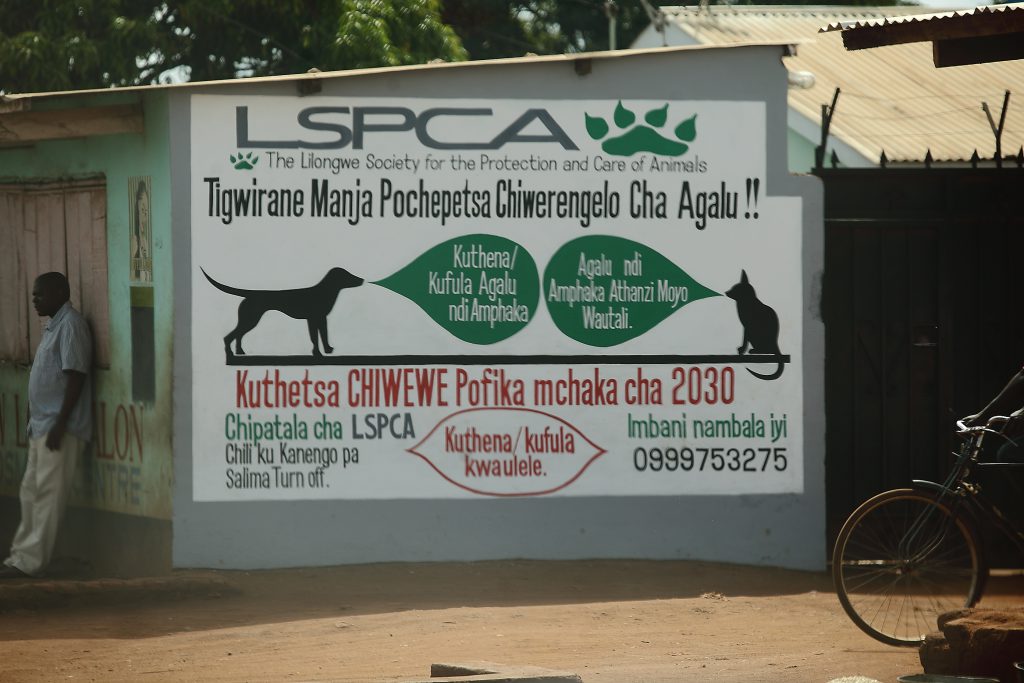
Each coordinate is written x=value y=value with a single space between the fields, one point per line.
x=140 y=229
x=457 y=298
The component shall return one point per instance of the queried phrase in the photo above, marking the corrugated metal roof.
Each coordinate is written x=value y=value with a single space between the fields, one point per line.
x=923 y=18
x=892 y=98
x=982 y=35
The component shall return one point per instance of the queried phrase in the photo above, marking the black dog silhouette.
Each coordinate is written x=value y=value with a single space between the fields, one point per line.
x=311 y=304
x=760 y=324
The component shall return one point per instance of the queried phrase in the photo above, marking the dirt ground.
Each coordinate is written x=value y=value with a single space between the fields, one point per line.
x=612 y=621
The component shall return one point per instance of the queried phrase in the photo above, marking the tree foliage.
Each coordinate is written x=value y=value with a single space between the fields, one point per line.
x=490 y=29
x=267 y=37
x=76 y=44
x=506 y=28
x=60 y=45
x=509 y=28
x=584 y=26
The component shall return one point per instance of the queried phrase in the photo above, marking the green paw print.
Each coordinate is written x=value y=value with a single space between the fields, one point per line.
x=642 y=138
x=244 y=162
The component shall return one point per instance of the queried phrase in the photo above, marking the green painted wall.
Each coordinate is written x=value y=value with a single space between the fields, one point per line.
x=128 y=469
x=800 y=152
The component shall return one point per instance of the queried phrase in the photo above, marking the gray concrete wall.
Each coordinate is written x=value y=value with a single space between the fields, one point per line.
x=780 y=530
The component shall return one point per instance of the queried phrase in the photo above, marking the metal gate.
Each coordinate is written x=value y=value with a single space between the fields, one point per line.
x=923 y=317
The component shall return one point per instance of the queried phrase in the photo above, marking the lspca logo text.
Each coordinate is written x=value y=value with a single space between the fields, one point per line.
x=468 y=128
x=353 y=126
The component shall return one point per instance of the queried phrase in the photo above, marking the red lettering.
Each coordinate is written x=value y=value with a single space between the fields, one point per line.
x=101 y=451
x=137 y=429
x=121 y=429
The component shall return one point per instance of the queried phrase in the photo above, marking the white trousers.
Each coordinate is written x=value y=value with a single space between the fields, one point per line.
x=44 y=495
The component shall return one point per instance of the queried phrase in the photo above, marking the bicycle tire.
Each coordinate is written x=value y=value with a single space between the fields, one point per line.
x=895 y=594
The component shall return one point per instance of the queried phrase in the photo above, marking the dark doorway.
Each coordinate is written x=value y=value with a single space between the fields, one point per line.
x=923 y=319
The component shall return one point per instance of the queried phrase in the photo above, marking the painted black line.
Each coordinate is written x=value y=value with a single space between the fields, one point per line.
x=595 y=359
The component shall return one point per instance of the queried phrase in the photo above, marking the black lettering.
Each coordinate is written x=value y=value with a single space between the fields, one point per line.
x=512 y=133
x=242 y=134
x=360 y=126
x=429 y=141
x=343 y=131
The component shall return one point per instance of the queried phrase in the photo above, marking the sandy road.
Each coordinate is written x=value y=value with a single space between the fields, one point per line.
x=616 y=621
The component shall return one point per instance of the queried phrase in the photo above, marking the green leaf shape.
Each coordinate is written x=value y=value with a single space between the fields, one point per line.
x=687 y=130
x=597 y=127
x=623 y=116
x=657 y=117
x=596 y=289
x=481 y=288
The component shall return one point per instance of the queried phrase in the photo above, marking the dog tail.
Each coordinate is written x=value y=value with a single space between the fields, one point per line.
x=225 y=288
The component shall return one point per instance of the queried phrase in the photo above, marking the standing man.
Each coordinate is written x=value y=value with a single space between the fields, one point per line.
x=59 y=426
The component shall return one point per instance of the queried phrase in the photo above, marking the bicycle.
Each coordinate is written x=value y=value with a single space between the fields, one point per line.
x=906 y=556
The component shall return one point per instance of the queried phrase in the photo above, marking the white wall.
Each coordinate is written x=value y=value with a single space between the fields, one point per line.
x=785 y=529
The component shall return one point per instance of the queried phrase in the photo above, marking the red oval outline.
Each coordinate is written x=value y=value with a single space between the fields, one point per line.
x=599 y=452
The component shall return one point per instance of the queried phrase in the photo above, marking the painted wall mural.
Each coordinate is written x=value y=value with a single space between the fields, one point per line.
x=140 y=229
x=415 y=298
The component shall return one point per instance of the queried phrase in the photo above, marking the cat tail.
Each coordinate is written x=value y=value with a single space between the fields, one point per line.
x=774 y=375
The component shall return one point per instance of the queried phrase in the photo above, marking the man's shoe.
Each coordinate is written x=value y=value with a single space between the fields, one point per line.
x=9 y=572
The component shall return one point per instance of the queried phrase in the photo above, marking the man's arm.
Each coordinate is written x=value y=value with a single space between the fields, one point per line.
x=72 y=392
x=1010 y=399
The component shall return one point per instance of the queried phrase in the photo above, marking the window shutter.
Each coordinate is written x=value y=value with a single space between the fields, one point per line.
x=53 y=227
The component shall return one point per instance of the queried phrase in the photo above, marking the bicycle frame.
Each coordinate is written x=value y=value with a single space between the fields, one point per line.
x=979 y=509
x=905 y=556
x=959 y=491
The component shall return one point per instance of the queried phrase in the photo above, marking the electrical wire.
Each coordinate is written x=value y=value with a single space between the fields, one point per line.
x=930 y=133
x=902 y=117
x=878 y=98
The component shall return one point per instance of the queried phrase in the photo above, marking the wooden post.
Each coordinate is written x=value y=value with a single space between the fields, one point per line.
x=998 y=130
x=826 y=121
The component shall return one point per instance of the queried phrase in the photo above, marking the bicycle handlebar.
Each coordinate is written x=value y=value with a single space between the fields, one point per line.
x=993 y=421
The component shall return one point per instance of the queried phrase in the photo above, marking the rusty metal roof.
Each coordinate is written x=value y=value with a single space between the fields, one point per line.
x=919 y=17
x=930 y=18
x=892 y=98
x=984 y=34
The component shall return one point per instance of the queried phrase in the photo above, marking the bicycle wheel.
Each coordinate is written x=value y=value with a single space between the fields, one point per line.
x=902 y=559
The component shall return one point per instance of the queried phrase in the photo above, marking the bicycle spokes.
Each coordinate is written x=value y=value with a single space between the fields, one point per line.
x=901 y=560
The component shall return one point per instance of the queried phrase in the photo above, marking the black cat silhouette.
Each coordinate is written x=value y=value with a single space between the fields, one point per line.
x=311 y=304
x=760 y=324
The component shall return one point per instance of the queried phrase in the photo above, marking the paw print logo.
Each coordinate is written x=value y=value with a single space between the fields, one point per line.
x=642 y=138
x=244 y=162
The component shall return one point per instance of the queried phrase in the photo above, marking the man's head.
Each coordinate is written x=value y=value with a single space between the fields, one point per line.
x=50 y=292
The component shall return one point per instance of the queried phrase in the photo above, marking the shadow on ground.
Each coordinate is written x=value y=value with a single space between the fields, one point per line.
x=276 y=596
